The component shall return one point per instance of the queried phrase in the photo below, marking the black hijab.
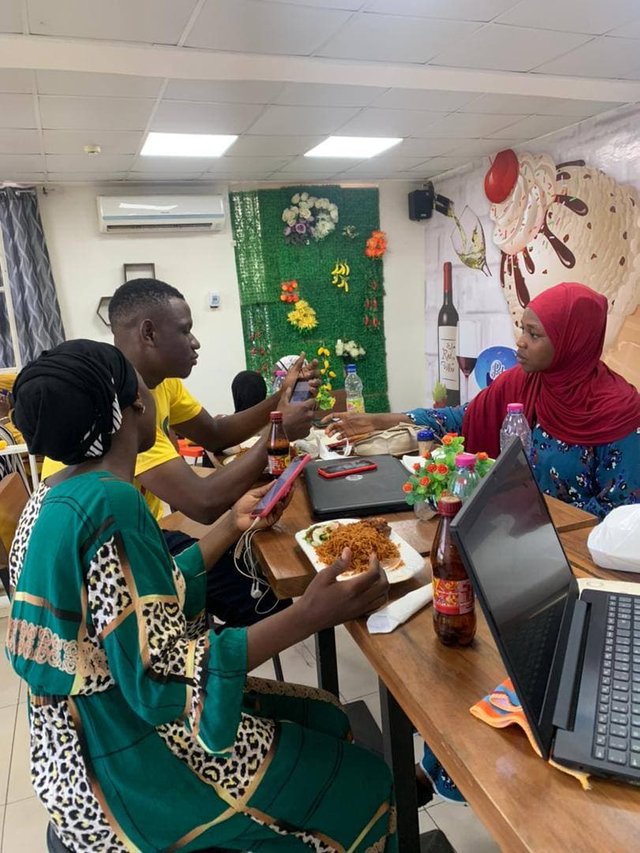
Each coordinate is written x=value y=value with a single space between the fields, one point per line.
x=68 y=402
x=248 y=389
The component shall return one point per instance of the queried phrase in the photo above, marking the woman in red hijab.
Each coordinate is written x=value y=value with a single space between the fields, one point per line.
x=584 y=418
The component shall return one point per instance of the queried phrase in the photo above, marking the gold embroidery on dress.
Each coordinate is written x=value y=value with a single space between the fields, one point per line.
x=42 y=645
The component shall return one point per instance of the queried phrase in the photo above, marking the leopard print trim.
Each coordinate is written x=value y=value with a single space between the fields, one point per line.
x=56 y=754
x=282 y=688
x=318 y=842
x=107 y=590
x=23 y=533
x=234 y=773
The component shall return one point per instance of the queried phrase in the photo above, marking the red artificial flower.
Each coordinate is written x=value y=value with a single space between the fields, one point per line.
x=407 y=487
x=432 y=468
x=417 y=466
x=424 y=481
x=442 y=469
x=482 y=456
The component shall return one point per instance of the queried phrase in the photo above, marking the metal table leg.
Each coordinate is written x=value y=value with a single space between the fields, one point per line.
x=397 y=733
x=326 y=660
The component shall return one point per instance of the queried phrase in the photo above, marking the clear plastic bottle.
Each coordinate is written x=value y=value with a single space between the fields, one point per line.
x=278 y=381
x=515 y=424
x=353 y=388
x=464 y=478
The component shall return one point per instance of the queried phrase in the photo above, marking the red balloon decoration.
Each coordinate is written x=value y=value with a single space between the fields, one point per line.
x=502 y=176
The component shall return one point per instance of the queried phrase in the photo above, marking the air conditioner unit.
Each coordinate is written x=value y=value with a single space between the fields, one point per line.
x=160 y=213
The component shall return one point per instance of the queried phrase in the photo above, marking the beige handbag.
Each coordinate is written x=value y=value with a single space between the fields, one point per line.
x=396 y=441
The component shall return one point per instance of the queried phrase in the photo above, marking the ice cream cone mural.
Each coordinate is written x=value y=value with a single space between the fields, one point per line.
x=564 y=223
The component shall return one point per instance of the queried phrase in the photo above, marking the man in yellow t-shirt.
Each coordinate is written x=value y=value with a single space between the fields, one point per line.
x=152 y=326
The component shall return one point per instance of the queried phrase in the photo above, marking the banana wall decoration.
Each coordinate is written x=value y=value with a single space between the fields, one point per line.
x=340 y=275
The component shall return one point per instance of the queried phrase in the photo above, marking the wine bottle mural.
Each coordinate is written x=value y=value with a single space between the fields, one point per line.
x=448 y=372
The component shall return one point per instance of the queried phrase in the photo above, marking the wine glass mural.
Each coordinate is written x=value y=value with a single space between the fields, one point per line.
x=468 y=347
x=468 y=240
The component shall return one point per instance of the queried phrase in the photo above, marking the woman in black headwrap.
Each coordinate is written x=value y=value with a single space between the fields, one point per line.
x=248 y=389
x=145 y=731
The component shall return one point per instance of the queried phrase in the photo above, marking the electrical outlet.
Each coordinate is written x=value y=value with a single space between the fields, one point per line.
x=214 y=299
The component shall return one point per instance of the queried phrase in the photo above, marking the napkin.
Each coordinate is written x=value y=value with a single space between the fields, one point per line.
x=388 y=618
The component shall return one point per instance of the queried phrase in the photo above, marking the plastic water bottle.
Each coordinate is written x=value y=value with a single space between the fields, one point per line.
x=353 y=389
x=278 y=381
x=464 y=478
x=515 y=424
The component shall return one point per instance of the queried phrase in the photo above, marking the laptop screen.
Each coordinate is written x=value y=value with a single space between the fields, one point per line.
x=522 y=577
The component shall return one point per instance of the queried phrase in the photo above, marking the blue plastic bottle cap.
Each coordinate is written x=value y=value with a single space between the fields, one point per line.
x=425 y=435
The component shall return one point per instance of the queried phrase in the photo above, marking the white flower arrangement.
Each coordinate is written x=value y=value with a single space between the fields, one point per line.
x=349 y=349
x=309 y=217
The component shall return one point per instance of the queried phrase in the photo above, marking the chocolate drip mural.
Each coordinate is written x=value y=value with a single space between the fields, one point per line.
x=564 y=222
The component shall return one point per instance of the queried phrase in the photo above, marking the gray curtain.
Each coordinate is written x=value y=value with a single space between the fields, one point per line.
x=33 y=292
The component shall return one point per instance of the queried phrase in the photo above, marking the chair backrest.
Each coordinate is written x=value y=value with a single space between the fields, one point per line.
x=624 y=357
x=13 y=499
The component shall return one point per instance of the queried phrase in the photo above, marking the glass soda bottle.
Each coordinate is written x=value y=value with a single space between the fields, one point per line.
x=515 y=424
x=454 y=616
x=464 y=478
x=278 y=381
x=353 y=389
x=278 y=447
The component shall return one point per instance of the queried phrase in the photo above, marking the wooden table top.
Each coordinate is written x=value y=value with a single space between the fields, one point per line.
x=526 y=804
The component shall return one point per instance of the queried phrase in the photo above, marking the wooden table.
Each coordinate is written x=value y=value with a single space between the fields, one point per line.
x=525 y=803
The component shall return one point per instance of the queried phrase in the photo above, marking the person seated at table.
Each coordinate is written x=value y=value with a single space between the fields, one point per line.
x=585 y=419
x=146 y=732
x=248 y=388
x=152 y=326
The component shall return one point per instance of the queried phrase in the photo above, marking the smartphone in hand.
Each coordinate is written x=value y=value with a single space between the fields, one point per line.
x=281 y=488
x=301 y=392
x=345 y=467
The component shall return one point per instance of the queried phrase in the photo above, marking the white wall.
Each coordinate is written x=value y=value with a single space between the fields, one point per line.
x=88 y=265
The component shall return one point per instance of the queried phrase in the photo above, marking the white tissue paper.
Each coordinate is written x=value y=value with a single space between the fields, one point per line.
x=388 y=618
x=615 y=542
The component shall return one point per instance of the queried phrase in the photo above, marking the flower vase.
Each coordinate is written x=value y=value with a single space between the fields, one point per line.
x=424 y=510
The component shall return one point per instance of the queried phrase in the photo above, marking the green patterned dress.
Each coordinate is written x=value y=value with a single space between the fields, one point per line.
x=146 y=733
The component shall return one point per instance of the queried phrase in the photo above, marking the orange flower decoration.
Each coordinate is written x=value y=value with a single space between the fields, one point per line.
x=482 y=456
x=407 y=487
x=376 y=245
x=424 y=481
x=432 y=468
x=443 y=469
x=417 y=466
x=447 y=439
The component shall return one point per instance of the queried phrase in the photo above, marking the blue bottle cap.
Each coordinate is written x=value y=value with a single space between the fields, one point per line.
x=425 y=435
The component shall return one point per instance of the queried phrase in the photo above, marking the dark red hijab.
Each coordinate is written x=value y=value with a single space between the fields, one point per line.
x=577 y=399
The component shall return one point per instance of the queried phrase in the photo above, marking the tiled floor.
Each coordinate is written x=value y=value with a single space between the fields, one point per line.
x=23 y=820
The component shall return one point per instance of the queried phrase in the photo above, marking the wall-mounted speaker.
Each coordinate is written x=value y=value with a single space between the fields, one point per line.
x=421 y=204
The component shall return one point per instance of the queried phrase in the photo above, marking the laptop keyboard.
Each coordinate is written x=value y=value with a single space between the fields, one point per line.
x=617 y=731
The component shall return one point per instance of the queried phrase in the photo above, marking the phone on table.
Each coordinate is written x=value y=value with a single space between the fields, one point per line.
x=281 y=488
x=301 y=392
x=346 y=467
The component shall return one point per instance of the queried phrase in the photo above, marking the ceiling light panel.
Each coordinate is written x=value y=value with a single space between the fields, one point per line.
x=186 y=144
x=356 y=147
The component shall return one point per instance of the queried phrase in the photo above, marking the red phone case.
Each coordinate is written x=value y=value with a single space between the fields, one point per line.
x=365 y=465
x=281 y=488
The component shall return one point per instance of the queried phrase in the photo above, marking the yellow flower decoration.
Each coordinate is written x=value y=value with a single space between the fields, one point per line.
x=303 y=316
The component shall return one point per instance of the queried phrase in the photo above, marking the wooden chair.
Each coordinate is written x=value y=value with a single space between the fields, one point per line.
x=13 y=498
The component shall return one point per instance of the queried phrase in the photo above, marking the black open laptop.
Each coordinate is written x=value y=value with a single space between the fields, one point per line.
x=368 y=493
x=574 y=660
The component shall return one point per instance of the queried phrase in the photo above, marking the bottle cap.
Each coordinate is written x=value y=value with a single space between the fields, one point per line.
x=425 y=435
x=465 y=460
x=351 y=368
x=281 y=373
x=449 y=505
x=515 y=408
x=275 y=417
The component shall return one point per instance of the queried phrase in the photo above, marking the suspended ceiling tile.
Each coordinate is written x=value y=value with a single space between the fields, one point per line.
x=175 y=165
x=290 y=121
x=316 y=166
x=375 y=122
x=602 y=57
x=387 y=38
x=96 y=163
x=26 y=177
x=17 y=111
x=464 y=10
x=470 y=125
x=106 y=85
x=194 y=117
x=11 y=164
x=247 y=146
x=576 y=16
x=507 y=48
x=519 y=104
x=84 y=177
x=533 y=126
x=241 y=167
x=65 y=113
x=481 y=147
x=151 y=21
x=321 y=95
x=223 y=91
x=73 y=141
x=423 y=99
x=429 y=147
x=348 y=5
x=252 y=26
x=25 y=141
x=10 y=16
x=16 y=81
x=384 y=167
x=439 y=165
x=630 y=30
x=166 y=177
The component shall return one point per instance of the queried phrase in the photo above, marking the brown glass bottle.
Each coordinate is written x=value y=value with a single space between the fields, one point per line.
x=454 y=616
x=278 y=447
